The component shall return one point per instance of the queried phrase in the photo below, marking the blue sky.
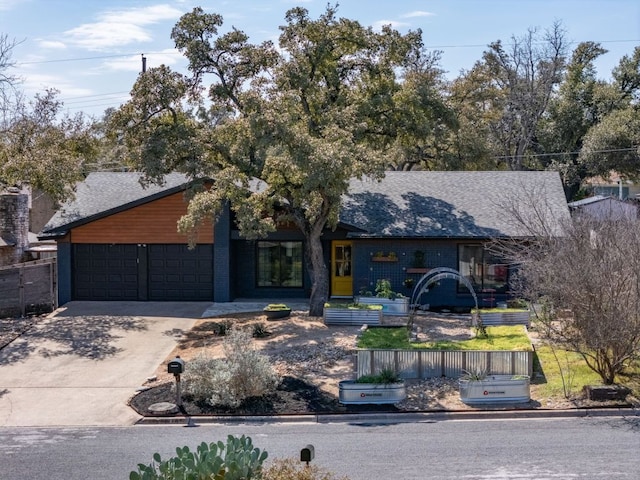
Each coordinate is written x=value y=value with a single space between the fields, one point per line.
x=90 y=50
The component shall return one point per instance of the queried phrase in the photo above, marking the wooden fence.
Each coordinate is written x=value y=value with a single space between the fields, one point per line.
x=410 y=364
x=28 y=288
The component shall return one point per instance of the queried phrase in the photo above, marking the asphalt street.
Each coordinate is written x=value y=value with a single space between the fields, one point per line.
x=586 y=448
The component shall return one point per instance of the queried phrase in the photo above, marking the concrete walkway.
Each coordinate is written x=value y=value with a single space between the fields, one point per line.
x=251 y=305
x=81 y=365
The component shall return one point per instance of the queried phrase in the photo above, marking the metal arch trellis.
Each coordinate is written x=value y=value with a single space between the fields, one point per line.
x=435 y=274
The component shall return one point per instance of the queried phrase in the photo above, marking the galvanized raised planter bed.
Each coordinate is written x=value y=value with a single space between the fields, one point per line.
x=496 y=389
x=398 y=306
x=352 y=316
x=508 y=317
x=354 y=393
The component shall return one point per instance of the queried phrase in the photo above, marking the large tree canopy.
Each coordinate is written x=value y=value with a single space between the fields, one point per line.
x=303 y=119
x=41 y=148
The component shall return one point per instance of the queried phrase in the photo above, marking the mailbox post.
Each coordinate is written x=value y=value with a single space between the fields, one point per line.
x=176 y=366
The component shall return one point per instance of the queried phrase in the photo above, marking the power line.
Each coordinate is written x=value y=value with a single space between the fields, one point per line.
x=98 y=57
x=612 y=150
x=122 y=55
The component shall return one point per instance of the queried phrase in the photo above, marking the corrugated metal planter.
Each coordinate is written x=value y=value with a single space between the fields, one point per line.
x=352 y=316
x=496 y=389
x=398 y=306
x=508 y=317
x=354 y=393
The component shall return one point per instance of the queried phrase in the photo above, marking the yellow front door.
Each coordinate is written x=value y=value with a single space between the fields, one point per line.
x=341 y=269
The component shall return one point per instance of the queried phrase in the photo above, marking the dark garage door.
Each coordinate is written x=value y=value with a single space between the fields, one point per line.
x=177 y=273
x=105 y=272
x=151 y=272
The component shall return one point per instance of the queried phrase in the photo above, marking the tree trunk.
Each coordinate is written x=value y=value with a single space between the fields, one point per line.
x=319 y=274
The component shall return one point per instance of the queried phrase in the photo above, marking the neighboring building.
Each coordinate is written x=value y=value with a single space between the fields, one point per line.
x=118 y=241
x=602 y=207
x=613 y=185
x=14 y=226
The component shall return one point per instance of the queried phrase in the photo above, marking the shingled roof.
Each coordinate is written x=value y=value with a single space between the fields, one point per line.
x=452 y=204
x=105 y=193
x=404 y=204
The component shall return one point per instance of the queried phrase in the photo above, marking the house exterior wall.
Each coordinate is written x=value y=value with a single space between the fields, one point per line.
x=609 y=208
x=438 y=253
x=244 y=283
x=153 y=222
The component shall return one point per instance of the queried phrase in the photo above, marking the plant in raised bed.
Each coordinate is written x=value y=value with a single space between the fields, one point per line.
x=276 y=310
x=381 y=388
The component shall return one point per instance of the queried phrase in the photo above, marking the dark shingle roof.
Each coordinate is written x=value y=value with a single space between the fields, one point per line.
x=451 y=204
x=104 y=193
x=403 y=204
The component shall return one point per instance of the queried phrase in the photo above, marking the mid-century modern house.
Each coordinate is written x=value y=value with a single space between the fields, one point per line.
x=118 y=241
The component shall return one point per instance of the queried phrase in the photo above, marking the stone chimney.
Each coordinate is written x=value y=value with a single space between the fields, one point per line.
x=14 y=226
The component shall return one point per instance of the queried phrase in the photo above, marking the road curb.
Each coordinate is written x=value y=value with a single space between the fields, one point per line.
x=403 y=417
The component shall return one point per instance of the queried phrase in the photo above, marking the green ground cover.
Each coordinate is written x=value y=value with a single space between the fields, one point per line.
x=510 y=337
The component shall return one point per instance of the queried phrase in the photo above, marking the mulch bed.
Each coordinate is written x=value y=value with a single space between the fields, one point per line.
x=293 y=397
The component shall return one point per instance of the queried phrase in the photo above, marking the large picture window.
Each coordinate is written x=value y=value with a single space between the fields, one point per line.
x=279 y=264
x=483 y=270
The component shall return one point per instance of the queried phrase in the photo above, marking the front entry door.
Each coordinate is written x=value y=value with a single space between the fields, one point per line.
x=341 y=269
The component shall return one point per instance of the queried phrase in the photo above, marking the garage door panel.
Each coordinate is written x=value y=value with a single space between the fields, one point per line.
x=163 y=272
x=105 y=272
x=177 y=273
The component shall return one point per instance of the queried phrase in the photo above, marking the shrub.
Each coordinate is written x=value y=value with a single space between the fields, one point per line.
x=260 y=330
x=242 y=374
x=385 y=377
x=237 y=460
x=290 y=469
x=221 y=328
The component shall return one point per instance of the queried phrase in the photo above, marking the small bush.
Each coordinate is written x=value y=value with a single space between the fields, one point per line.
x=244 y=373
x=222 y=328
x=260 y=330
x=290 y=469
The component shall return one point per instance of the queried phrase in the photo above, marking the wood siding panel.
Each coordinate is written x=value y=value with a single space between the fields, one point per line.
x=151 y=223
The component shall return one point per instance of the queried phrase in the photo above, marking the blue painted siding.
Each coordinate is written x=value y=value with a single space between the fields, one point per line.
x=222 y=257
x=438 y=253
x=64 y=273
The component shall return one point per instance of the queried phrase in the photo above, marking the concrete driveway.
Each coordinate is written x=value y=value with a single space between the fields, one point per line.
x=81 y=365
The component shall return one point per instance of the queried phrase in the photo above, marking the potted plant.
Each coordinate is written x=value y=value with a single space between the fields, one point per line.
x=276 y=310
x=393 y=303
x=408 y=282
x=478 y=388
x=383 y=388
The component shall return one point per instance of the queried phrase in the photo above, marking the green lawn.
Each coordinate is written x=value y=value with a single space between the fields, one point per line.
x=575 y=371
x=512 y=337
x=570 y=365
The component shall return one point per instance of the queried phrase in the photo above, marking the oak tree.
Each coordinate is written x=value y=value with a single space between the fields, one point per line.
x=280 y=131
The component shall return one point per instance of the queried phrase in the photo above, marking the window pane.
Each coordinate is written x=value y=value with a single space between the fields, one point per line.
x=482 y=269
x=470 y=266
x=279 y=264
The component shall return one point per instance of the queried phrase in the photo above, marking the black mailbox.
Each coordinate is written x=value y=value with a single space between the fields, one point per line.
x=307 y=454
x=176 y=366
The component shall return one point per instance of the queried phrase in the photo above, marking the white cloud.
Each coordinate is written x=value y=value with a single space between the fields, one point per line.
x=133 y=63
x=51 y=44
x=37 y=83
x=9 y=4
x=121 y=27
x=417 y=13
